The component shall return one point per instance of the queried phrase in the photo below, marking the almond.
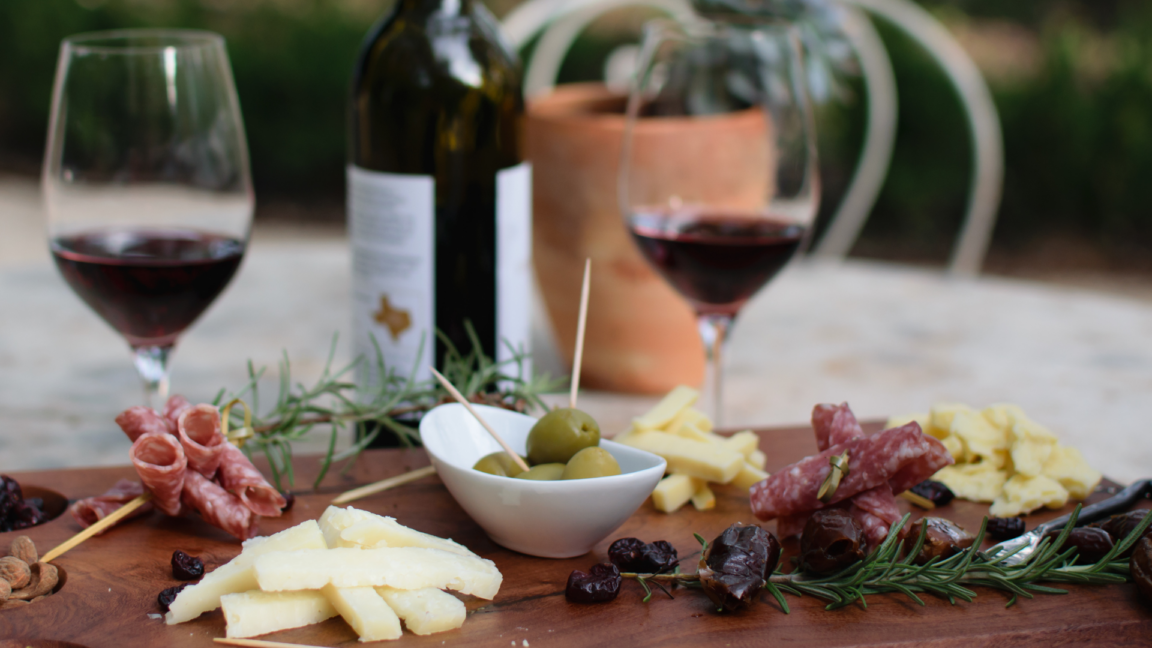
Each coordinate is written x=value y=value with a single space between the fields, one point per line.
x=24 y=549
x=15 y=571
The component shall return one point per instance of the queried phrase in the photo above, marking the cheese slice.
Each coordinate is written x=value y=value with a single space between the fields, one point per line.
x=703 y=499
x=673 y=492
x=425 y=611
x=676 y=400
x=366 y=611
x=748 y=476
x=399 y=567
x=379 y=531
x=249 y=614
x=334 y=520
x=708 y=461
x=237 y=575
x=745 y=443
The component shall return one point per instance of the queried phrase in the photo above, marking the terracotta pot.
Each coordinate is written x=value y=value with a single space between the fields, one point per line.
x=641 y=335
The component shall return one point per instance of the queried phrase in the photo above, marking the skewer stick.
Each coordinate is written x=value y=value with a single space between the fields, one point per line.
x=106 y=522
x=464 y=401
x=385 y=484
x=260 y=643
x=579 y=355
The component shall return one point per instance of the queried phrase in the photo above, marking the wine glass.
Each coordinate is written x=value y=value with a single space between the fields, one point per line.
x=146 y=183
x=718 y=180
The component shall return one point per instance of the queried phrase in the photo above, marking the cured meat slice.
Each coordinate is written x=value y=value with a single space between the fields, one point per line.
x=790 y=525
x=199 y=431
x=935 y=454
x=834 y=424
x=239 y=477
x=174 y=408
x=90 y=510
x=218 y=507
x=873 y=460
x=875 y=528
x=159 y=460
x=140 y=420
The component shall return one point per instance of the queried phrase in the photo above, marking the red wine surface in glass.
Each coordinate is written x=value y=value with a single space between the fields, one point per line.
x=149 y=285
x=716 y=260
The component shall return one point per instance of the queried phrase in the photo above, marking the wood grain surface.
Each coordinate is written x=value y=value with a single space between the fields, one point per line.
x=109 y=597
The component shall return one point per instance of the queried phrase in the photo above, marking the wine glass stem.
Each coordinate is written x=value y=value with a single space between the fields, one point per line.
x=714 y=333
x=152 y=365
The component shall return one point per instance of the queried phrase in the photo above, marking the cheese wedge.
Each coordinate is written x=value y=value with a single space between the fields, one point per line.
x=366 y=611
x=708 y=461
x=379 y=531
x=399 y=567
x=425 y=611
x=249 y=614
x=237 y=575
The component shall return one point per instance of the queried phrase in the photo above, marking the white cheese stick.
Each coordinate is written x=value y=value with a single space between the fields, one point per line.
x=237 y=575
x=249 y=614
x=399 y=567
x=425 y=611
x=365 y=611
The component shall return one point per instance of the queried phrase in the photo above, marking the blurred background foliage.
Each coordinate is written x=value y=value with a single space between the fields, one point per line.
x=1072 y=80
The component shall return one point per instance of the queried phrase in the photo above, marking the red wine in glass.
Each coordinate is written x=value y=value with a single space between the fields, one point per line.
x=148 y=284
x=716 y=260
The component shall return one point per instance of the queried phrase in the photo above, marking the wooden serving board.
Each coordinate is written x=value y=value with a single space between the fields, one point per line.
x=113 y=580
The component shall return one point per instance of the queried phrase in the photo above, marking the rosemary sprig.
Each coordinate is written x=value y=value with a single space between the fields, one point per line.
x=393 y=403
x=889 y=570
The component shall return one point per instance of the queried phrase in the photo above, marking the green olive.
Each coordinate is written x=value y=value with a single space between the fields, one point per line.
x=499 y=464
x=560 y=434
x=543 y=472
x=591 y=462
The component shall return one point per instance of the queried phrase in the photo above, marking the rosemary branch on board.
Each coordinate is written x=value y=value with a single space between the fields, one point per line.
x=393 y=403
x=885 y=571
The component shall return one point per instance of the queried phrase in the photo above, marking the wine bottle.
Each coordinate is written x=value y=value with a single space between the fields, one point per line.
x=439 y=204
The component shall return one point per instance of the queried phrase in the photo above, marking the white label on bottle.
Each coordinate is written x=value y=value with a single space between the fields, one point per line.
x=391 y=226
x=514 y=262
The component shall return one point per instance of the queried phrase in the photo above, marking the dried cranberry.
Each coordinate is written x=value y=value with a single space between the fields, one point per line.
x=597 y=585
x=289 y=501
x=934 y=491
x=26 y=515
x=1005 y=528
x=185 y=567
x=167 y=596
x=633 y=555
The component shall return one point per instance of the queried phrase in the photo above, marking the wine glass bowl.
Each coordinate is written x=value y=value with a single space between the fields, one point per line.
x=726 y=204
x=146 y=182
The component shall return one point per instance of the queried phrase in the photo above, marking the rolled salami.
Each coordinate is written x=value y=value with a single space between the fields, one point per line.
x=140 y=420
x=90 y=510
x=873 y=461
x=218 y=507
x=239 y=477
x=159 y=460
x=198 y=429
x=174 y=408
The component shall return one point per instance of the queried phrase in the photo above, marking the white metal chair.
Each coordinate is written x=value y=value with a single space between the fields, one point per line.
x=562 y=21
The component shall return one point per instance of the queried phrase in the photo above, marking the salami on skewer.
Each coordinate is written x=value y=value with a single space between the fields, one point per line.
x=140 y=420
x=159 y=460
x=174 y=408
x=218 y=507
x=239 y=477
x=198 y=429
x=873 y=461
x=90 y=510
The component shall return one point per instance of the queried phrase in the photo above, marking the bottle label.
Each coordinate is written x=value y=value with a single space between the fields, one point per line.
x=514 y=262
x=391 y=222
x=391 y=226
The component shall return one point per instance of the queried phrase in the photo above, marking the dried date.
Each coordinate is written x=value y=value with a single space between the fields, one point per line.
x=1120 y=526
x=1141 y=567
x=1091 y=543
x=1005 y=528
x=599 y=584
x=736 y=565
x=934 y=491
x=832 y=540
x=185 y=567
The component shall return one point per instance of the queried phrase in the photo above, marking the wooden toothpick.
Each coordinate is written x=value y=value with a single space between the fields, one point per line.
x=260 y=643
x=579 y=355
x=385 y=484
x=464 y=401
x=99 y=526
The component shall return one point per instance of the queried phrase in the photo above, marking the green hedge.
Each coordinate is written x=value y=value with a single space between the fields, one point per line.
x=1078 y=146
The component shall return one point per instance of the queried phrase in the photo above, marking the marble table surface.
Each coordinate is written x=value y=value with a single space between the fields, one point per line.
x=886 y=338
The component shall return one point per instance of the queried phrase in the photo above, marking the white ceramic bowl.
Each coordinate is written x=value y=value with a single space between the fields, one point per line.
x=550 y=519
